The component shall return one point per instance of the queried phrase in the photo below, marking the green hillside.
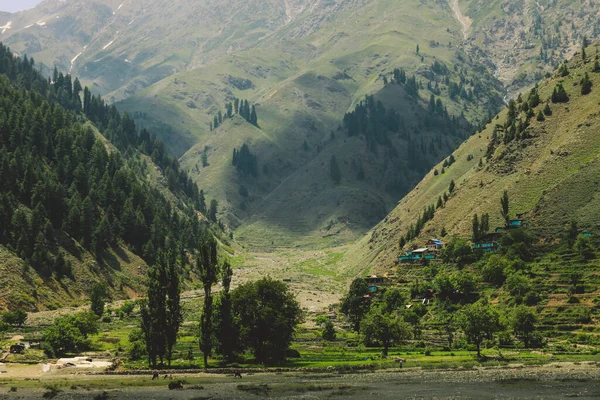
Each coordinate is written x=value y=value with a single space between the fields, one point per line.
x=550 y=171
x=84 y=196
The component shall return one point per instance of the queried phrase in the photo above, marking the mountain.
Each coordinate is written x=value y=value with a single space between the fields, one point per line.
x=84 y=196
x=304 y=64
x=549 y=165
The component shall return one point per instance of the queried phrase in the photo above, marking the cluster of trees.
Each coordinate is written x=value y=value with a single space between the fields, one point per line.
x=244 y=161
x=455 y=304
x=239 y=107
x=559 y=94
x=415 y=229
x=384 y=321
x=70 y=334
x=515 y=126
x=260 y=316
x=379 y=125
x=12 y=318
x=58 y=178
x=481 y=226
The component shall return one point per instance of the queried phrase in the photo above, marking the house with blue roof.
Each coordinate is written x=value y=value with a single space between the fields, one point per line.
x=434 y=245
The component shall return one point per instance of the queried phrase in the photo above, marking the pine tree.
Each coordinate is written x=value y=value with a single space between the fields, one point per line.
x=540 y=116
x=547 y=110
x=563 y=70
x=212 y=215
x=484 y=225
x=153 y=312
x=586 y=84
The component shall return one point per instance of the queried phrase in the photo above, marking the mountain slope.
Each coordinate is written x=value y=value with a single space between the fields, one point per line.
x=521 y=40
x=550 y=172
x=302 y=88
x=76 y=209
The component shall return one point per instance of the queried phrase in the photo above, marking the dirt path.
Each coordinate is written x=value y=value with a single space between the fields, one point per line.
x=464 y=20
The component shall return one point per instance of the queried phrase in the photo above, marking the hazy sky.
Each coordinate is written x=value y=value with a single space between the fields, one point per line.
x=17 y=5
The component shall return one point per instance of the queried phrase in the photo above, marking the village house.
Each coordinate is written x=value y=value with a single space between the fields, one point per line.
x=375 y=282
x=418 y=255
x=434 y=245
x=486 y=247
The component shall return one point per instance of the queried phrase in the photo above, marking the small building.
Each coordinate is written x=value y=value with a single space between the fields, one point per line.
x=587 y=234
x=514 y=224
x=422 y=254
x=434 y=245
x=486 y=247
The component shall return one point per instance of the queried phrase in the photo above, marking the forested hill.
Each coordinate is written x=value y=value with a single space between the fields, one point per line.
x=83 y=196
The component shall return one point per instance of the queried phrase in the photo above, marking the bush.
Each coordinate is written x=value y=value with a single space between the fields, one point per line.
x=292 y=353
x=128 y=307
x=15 y=317
x=494 y=270
x=518 y=284
x=137 y=345
x=329 y=331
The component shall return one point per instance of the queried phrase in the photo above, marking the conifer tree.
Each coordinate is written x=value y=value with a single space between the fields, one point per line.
x=540 y=116
x=153 y=314
x=253 y=116
x=586 y=84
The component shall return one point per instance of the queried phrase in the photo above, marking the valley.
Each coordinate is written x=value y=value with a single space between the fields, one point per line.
x=400 y=192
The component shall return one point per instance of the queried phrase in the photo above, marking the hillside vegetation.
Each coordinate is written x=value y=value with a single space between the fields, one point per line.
x=76 y=209
x=549 y=172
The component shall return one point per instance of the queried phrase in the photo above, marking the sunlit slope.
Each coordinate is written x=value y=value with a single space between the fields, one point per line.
x=551 y=178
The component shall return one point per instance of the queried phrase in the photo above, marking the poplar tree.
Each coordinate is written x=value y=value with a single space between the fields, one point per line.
x=206 y=264
x=174 y=313
x=504 y=202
